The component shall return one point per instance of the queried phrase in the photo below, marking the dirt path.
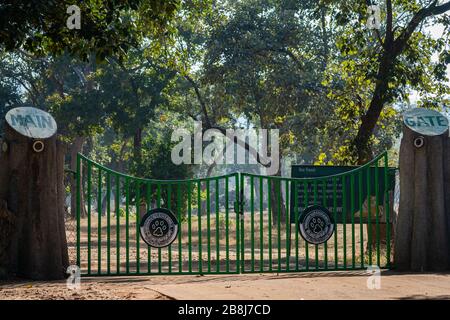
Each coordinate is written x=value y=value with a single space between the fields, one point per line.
x=331 y=285
x=91 y=289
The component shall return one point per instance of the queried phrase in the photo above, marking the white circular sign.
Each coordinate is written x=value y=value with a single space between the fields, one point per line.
x=425 y=121
x=31 y=122
x=159 y=228
x=316 y=225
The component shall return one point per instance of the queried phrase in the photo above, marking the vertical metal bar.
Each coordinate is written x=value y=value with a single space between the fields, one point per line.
x=336 y=252
x=344 y=218
x=208 y=223
x=169 y=206
x=180 y=261
x=325 y=204
x=99 y=223
x=387 y=209
x=89 y=214
x=127 y=223
x=189 y=226
x=138 y=207
x=108 y=222
x=296 y=212
x=377 y=213
x=288 y=229
x=79 y=204
x=242 y=218
x=316 y=247
x=269 y=207
x=369 y=215
x=238 y=218
x=261 y=225
x=278 y=191
x=158 y=204
x=361 y=226
x=217 y=227
x=117 y=207
x=352 y=212
x=305 y=199
x=148 y=201
x=199 y=215
x=227 y=236
x=252 y=223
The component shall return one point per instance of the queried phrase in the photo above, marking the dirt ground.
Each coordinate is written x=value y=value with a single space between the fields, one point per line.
x=324 y=285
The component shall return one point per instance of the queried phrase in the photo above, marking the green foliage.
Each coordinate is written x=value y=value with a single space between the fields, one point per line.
x=107 y=27
x=122 y=212
x=139 y=69
x=262 y=66
x=352 y=76
x=156 y=150
x=9 y=96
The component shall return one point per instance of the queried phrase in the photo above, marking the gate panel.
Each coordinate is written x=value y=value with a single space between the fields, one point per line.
x=359 y=201
x=233 y=223
x=108 y=238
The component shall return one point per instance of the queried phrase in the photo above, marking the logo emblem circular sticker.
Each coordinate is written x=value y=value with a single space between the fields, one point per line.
x=316 y=225
x=159 y=228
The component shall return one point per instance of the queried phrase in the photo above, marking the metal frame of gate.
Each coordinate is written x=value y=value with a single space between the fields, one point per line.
x=229 y=224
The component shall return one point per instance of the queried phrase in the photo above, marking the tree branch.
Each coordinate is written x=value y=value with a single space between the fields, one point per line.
x=199 y=98
x=264 y=162
x=252 y=151
x=417 y=19
x=380 y=40
x=387 y=61
x=437 y=10
x=389 y=31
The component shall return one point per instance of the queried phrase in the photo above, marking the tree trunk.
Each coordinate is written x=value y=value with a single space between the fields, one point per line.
x=381 y=228
x=361 y=145
x=276 y=196
x=74 y=149
x=447 y=183
x=422 y=235
x=32 y=195
x=137 y=151
x=6 y=228
x=104 y=204
x=208 y=174
x=256 y=192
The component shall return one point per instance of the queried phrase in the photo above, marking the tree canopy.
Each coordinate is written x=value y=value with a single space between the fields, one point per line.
x=107 y=27
x=312 y=69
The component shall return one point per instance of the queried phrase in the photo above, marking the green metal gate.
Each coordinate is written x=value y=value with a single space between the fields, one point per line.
x=359 y=201
x=108 y=239
x=231 y=224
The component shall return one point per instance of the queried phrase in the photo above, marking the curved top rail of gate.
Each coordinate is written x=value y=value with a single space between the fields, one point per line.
x=124 y=175
x=373 y=162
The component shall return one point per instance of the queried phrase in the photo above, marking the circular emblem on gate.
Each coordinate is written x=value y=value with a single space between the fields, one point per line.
x=159 y=227
x=316 y=225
